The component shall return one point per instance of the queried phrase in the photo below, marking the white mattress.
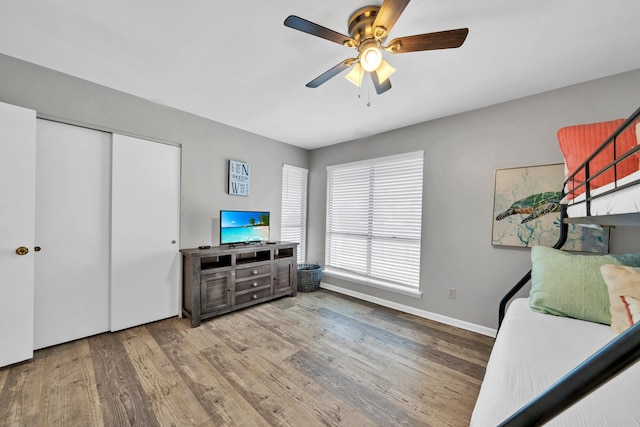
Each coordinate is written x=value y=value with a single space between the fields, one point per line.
x=621 y=202
x=534 y=350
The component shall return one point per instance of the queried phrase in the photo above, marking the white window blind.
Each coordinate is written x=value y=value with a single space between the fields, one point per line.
x=374 y=219
x=294 y=208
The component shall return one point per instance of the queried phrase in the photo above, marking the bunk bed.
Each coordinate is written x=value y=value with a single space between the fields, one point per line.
x=571 y=368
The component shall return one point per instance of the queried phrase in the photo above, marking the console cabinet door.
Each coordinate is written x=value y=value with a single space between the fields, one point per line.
x=215 y=291
x=17 y=212
x=145 y=262
x=284 y=279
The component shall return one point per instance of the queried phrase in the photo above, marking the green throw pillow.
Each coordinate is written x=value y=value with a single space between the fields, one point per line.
x=572 y=285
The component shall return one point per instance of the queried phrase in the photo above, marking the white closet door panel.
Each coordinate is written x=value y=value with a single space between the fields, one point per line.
x=17 y=187
x=145 y=262
x=73 y=194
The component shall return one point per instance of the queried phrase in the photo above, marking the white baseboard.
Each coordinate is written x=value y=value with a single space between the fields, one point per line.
x=412 y=310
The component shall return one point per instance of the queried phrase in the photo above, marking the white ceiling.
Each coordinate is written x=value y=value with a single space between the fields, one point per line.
x=236 y=63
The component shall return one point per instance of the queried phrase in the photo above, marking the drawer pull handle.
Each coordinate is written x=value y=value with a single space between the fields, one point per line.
x=254 y=296
x=254 y=272
x=254 y=284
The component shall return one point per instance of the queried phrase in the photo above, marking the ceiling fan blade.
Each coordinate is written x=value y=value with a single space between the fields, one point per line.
x=388 y=14
x=431 y=41
x=380 y=87
x=309 y=27
x=331 y=73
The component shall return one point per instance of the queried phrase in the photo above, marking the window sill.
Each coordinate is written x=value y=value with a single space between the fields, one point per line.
x=379 y=284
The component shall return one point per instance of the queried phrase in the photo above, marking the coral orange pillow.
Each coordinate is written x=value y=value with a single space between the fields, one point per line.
x=580 y=141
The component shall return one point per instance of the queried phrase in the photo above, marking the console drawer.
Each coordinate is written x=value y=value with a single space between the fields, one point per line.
x=258 y=282
x=256 y=270
x=253 y=296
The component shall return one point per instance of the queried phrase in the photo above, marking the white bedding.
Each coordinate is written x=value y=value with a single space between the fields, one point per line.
x=534 y=350
x=621 y=202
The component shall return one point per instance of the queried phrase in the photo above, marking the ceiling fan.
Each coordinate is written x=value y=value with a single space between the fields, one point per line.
x=368 y=30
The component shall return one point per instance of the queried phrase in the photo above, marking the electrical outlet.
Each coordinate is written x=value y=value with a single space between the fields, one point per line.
x=452 y=293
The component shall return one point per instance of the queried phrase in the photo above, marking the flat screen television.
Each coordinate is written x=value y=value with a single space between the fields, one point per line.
x=243 y=227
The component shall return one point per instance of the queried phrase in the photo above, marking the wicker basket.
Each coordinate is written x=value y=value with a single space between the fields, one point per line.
x=309 y=276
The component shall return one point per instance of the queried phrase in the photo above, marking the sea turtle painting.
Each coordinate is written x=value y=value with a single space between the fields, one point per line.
x=534 y=205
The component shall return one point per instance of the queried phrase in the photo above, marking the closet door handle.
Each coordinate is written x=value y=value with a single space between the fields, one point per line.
x=22 y=250
x=37 y=248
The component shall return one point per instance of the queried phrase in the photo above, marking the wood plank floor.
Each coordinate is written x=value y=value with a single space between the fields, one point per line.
x=319 y=359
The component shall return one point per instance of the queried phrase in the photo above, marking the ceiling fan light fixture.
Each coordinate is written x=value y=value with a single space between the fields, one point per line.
x=355 y=75
x=370 y=56
x=384 y=71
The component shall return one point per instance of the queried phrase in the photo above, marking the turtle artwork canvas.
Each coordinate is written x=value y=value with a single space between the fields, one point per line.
x=526 y=211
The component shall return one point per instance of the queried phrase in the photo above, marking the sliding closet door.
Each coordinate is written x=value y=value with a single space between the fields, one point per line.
x=145 y=262
x=73 y=183
x=17 y=187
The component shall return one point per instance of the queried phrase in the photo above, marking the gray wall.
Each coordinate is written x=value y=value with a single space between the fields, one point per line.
x=206 y=145
x=461 y=155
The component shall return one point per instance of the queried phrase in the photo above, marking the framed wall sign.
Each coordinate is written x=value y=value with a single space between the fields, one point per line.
x=239 y=178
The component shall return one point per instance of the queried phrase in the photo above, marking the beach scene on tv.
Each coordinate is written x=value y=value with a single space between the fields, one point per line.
x=243 y=227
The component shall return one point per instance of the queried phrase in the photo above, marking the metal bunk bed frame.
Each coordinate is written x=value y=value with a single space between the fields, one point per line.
x=615 y=357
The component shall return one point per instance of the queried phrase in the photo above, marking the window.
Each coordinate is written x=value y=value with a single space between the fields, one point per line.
x=294 y=208
x=374 y=221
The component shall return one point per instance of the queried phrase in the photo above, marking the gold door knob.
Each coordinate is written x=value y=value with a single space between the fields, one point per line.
x=37 y=248
x=22 y=250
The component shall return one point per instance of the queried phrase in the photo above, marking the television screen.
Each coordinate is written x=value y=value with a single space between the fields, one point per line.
x=243 y=227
